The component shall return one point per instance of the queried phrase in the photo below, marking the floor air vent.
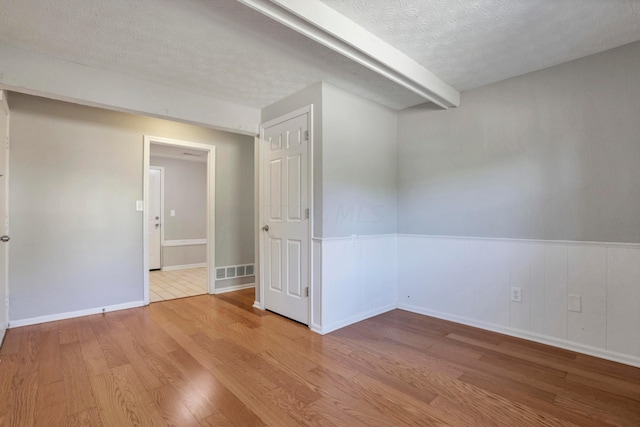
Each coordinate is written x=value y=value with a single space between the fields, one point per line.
x=233 y=271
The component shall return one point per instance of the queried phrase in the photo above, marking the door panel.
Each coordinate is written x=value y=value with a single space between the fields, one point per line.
x=286 y=201
x=155 y=218
x=4 y=217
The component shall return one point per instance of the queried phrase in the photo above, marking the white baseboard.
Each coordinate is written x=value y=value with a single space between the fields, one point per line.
x=351 y=320
x=73 y=314
x=257 y=305
x=233 y=288
x=531 y=336
x=183 y=267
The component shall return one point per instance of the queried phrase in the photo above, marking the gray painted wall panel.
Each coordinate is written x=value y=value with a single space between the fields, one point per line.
x=549 y=155
x=76 y=173
x=359 y=176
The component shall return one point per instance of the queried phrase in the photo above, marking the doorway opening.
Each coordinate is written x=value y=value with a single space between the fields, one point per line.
x=179 y=218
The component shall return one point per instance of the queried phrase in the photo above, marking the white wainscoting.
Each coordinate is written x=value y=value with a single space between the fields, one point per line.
x=359 y=279
x=468 y=280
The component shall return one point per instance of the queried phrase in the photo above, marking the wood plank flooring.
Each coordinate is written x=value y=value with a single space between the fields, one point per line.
x=216 y=361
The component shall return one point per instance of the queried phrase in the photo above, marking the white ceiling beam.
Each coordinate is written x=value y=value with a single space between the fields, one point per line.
x=326 y=26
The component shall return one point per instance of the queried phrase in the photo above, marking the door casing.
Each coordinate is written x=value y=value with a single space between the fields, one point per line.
x=161 y=203
x=211 y=200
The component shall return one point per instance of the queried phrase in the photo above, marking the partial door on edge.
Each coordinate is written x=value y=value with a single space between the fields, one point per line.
x=155 y=217
x=285 y=218
x=4 y=216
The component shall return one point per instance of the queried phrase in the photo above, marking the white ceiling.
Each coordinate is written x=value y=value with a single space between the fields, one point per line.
x=228 y=51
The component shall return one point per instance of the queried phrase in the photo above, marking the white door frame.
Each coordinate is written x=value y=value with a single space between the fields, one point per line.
x=260 y=279
x=211 y=203
x=161 y=169
x=4 y=105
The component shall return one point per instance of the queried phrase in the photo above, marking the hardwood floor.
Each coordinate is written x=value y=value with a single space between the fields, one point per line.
x=216 y=361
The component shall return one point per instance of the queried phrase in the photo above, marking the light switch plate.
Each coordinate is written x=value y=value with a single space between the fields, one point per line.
x=172 y=212
x=139 y=205
x=574 y=303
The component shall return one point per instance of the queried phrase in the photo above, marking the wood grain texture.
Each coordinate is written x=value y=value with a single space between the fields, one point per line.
x=217 y=361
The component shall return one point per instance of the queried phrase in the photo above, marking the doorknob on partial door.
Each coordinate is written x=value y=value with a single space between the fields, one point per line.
x=5 y=238
x=265 y=228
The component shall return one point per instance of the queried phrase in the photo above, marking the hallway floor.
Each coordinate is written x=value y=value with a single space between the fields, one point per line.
x=167 y=285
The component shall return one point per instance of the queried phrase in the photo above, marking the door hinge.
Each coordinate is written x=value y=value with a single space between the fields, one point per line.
x=306 y=213
x=306 y=291
x=306 y=135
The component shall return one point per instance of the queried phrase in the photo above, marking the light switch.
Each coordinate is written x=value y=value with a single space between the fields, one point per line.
x=139 y=205
x=172 y=212
x=574 y=303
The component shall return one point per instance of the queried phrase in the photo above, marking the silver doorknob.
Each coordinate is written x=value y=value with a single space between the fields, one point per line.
x=265 y=228
x=5 y=238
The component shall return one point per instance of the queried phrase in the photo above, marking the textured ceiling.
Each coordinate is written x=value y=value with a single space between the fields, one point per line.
x=222 y=49
x=471 y=43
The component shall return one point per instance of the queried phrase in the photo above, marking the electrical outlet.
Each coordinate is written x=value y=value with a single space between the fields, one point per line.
x=516 y=294
x=574 y=303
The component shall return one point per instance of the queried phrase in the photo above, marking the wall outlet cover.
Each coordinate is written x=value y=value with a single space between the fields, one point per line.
x=574 y=303
x=516 y=294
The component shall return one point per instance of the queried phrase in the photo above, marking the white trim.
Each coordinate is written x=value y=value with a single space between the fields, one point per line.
x=161 y=169
x=185 y=242
x=528 y=241
x=73 y=314
x=531 y=336
x=6 y=227
x=234 y=288
x=321 y=23
x=357 y=236
x=351 y=320
x=180 y=157
x=211 y=211
x=308 y=110
x=256 y=304
x=183 y=266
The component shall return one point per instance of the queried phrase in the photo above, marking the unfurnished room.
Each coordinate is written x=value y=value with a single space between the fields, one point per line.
x=320 y=212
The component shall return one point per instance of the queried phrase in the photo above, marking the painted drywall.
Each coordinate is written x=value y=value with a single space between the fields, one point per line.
x=76 y=174
x=359 y=167
x=549 y=155
x=4 y=133
x=355 y=186
x=21 y=71
x=185 y=193
x=355 y=168
x=552 y=158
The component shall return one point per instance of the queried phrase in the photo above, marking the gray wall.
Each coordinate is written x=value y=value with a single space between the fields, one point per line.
x=553 y=155
x=359 y=167
x=76 y=173
x=355 y=175
x=185 y=192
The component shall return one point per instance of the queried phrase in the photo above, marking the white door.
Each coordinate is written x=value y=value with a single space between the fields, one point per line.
x=285 y=213
x=4 y=216
x=155 y=218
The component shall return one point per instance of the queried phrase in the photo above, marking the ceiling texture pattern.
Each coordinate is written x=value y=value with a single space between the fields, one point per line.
x=228 y=51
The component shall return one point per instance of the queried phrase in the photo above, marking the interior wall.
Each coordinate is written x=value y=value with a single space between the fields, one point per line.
x=537 y=181
x=550 y=155
x=76 y=174
x=185 y=193
x=359 y=167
